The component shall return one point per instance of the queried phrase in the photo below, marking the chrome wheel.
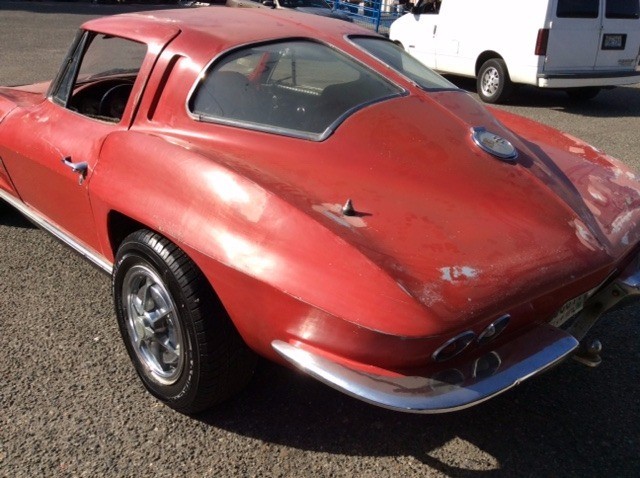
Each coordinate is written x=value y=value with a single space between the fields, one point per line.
x=490 y=81
x=178 y=335
x=153 y=325
x=493 y=82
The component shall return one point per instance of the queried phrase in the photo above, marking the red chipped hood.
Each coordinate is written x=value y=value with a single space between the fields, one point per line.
x=465 y=234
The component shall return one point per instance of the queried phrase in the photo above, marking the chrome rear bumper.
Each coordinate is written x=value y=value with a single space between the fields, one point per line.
x=448 y=390
x=473 y=382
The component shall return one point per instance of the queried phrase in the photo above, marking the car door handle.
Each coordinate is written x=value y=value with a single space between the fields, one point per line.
x=78 y=168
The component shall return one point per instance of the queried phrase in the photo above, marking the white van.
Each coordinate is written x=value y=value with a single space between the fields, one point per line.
x=577 y=45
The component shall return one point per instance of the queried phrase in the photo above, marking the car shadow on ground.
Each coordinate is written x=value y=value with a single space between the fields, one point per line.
x=610 y=103
x=12 y=218
x=571 y=421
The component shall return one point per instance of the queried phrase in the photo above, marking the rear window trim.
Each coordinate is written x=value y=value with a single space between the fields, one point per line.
x=288 y=132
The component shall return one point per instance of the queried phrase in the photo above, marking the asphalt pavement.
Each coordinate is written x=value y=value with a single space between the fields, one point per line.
x=71 y=404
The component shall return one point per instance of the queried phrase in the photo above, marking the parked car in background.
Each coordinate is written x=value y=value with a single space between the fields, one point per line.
x=581 y=46
x=267 y=182
x=315 y=7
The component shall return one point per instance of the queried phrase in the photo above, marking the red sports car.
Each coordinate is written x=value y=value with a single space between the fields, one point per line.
x=271 y=183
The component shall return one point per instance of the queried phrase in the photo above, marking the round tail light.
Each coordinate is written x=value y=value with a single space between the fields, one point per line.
x=454 y=346
x=493 y=329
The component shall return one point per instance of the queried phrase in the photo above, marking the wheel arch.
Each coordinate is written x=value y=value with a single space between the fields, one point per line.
x=486 y=56
x=119 y=226
x=208 y=360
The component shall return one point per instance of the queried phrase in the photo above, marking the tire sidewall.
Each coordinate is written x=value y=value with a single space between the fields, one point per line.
x=180 y=392
x=502 y=81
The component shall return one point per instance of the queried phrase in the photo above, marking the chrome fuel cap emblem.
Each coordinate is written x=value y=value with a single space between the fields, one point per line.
x=494 y=144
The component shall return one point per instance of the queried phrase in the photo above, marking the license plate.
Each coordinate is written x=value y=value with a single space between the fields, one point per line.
x=614 y=41
x=627 y=62
x=569 y=309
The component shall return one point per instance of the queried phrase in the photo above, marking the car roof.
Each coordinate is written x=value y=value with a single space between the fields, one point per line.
x=225 y=26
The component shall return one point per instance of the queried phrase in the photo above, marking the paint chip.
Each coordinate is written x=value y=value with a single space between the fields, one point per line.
x=456 y=273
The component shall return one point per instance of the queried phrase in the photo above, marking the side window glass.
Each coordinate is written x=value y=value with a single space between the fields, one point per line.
x=98 y=78
x=394 y=56
x=64 y=81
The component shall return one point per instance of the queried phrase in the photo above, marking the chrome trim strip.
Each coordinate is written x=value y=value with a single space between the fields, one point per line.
x=89 y=254
x=631 y=283
x=525 y=356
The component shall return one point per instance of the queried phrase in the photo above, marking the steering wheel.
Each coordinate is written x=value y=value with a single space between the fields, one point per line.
x=114 y=101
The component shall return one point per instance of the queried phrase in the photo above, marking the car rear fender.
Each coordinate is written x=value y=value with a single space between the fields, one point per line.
x=608 y=191
x=6 y=104
x=204 y=205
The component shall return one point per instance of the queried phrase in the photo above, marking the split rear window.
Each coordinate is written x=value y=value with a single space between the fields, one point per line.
x=296 y=87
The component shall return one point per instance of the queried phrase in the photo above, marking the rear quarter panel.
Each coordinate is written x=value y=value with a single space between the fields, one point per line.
x=263 y=256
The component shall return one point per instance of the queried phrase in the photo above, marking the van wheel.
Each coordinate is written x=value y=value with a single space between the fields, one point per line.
x=177 y=333
x=493 y=83
x=583 y=94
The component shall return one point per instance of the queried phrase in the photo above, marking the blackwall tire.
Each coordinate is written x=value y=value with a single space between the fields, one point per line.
x=181 y=341
x=493 y=83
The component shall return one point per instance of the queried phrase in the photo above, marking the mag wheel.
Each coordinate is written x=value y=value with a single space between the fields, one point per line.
x=180 y=339
x=493 y=83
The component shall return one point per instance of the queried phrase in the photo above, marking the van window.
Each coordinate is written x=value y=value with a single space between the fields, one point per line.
x=578 y=8
x=623 y=9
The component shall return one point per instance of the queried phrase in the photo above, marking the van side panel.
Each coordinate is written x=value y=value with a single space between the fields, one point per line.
x=469 y=29
x=586 y=45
